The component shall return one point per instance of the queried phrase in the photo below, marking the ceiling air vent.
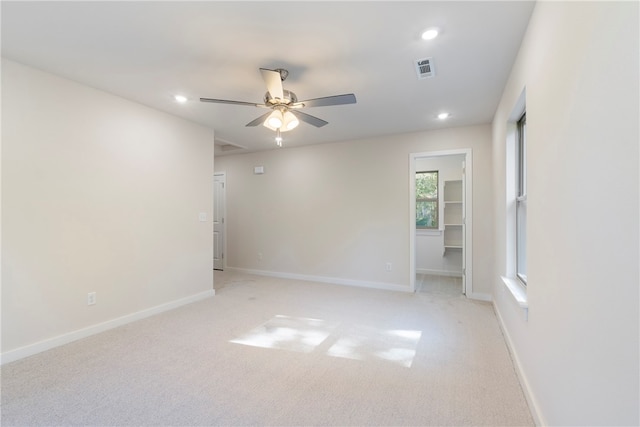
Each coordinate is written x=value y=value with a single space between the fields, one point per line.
x=424 y=68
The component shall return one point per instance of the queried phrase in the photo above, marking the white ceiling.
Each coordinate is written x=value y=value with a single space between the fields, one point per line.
x=150 y=51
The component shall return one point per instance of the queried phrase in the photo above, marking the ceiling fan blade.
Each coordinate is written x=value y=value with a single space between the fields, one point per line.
x=224 y=101
x=348 y=98
x=309 y=119
x=273 y=82
x=259 y=120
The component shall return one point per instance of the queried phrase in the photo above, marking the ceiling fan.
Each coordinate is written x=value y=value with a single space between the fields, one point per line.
x=285 y=114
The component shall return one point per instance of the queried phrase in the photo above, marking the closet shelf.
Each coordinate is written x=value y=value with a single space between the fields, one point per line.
x=453 y=217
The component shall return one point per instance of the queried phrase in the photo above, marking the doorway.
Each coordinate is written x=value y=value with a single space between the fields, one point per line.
x=219 y=200
x=445 y=249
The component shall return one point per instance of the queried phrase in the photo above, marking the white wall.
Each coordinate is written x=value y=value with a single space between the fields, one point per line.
x=430 y=243
x=99 y=194
x=341 y=210
x=578 y=351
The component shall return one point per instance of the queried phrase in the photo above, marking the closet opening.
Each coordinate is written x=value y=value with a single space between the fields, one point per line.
x=440 y=222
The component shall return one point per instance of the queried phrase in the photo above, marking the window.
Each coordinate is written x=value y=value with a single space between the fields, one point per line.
x=515 y=273
x=427 y=200
x=521 y=200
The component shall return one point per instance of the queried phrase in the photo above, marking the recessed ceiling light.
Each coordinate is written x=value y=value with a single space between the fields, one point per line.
x=443 y=116
x=430 y=34
x=180 y=98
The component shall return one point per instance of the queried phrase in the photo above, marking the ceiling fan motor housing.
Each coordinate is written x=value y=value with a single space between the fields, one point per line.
x=289 y=98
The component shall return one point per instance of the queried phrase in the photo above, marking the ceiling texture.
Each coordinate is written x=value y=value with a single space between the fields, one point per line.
x=150 y=51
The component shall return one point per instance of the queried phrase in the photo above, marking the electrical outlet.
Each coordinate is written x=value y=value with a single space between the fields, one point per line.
x=387 y=266
x=259 y=256
x=91 y=298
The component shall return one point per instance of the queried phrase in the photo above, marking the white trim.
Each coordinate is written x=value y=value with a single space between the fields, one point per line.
x=517 y=291
x=468 y=248
x=480 y=297
x=446 y=273
x=534 y=406
x=224 y=217
x=519 y=107
x=428 y=232
x=511 y=192
x=324 y=279
x=39 y=347
x=412 y=222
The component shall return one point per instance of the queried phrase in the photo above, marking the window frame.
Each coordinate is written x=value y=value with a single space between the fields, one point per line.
x=429 y=199
x=521 y=199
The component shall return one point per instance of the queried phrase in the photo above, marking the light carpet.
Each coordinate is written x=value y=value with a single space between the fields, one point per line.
x=267 y=351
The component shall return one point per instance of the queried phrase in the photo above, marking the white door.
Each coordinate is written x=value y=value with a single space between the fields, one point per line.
x=218 y=220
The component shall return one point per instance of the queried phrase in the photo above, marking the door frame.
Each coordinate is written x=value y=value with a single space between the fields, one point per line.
x=224 y=215
x=467 y=285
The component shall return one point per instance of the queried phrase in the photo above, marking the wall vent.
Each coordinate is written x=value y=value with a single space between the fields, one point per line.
x=425 y=68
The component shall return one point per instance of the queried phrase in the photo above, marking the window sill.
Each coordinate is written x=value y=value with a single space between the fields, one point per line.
x=427 y=232
x=518 y=292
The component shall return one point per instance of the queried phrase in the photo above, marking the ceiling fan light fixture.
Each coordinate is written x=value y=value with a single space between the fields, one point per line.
x=290 y=121
x=282 y=120
x=275 y=120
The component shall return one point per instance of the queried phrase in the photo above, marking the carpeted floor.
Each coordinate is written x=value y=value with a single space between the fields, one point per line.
x=268 y=351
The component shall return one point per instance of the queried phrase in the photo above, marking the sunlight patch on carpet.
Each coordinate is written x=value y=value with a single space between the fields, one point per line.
x=289 y=333
x=353 y=342
x=366 y=343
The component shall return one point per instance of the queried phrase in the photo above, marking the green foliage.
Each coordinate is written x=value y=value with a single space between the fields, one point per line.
x=427 y=199
x=426 y=185
x=426 y=214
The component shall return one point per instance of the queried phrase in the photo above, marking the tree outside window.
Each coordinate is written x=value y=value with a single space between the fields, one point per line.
x=427 y=200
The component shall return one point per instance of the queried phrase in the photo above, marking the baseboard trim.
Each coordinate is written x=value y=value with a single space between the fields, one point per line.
x=323 y=279
x=439 y=272
x=39 y=347
x=534 y=407
x=480 y=297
